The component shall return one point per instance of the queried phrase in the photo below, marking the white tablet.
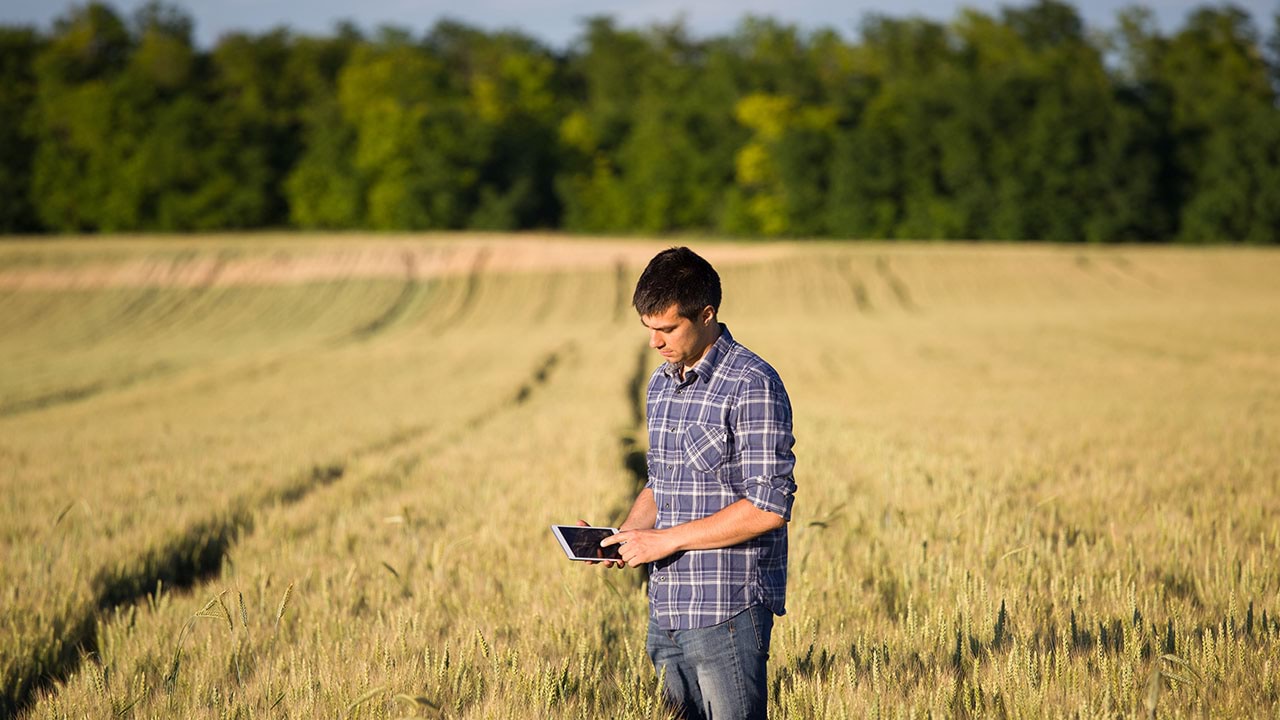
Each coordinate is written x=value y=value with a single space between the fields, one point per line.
x=582 y=542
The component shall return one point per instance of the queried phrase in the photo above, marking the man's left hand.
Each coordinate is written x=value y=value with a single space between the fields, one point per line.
x=642 y=546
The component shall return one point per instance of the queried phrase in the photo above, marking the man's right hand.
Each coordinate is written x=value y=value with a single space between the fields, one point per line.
x=607 y=563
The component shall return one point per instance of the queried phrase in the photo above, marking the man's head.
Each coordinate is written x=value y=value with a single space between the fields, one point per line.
x=678 y=297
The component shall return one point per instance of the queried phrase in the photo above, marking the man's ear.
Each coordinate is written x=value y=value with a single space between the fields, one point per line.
x=708 y=314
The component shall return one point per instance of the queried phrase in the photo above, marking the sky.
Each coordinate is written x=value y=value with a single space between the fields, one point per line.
x=558 y=22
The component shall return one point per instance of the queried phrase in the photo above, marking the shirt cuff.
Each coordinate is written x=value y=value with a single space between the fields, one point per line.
x=773 y=495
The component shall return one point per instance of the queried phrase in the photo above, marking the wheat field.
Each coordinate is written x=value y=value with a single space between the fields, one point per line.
x=285 y=476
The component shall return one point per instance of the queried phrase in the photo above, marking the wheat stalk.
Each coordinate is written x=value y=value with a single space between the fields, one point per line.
x=284 y=603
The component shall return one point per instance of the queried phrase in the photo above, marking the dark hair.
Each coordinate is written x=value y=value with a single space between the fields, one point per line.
x=677 y=276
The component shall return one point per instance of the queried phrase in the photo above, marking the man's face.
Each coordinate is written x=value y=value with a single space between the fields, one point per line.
x=679 y=339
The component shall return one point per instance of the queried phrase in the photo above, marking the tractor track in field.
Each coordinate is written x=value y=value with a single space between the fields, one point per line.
x=148 y=307
x=633 y=456
x=621 y=283
x=178 y=564
x=253 y=370
x=159 y=320
x=135 y=308
x=470 y=291
x=537 y=380
x=547 y=299
x=398 y=306
x=370 y=259
x=901 y=292
x=1117 y=271
x=195 y=555
x=634 y=459
x=227 y=268
x=859 y=289
x=77 y=393
x=1123 y=266
x=1091 y=267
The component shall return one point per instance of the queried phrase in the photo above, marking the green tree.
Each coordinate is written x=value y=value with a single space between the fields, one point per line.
x=782 y=170
x=322 y=188
x=415 y=145
x=1012 y=125
x=18 y=50
x=1047 y=186
x=76 y=160
x=510 y=91
x=677 y=161
x=255 y=126
x=166 y=171
x=1223 y=115
x=606 y=76
x=884 y=177
x=127 y=137
x=1137 y=200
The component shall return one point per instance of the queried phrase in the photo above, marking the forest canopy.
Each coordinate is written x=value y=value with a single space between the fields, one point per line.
x=1023 y=124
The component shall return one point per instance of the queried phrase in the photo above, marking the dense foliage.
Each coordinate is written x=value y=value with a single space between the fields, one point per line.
x=1019 y=125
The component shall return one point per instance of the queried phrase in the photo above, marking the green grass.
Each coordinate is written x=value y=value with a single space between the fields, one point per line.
x=1034 y=481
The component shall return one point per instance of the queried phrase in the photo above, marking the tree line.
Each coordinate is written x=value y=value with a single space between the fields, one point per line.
x=1018 y=124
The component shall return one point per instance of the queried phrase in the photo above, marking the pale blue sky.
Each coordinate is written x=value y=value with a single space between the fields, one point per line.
x=557 y=22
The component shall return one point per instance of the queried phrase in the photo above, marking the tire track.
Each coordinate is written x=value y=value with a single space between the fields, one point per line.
x=178 y=564
x=547 y=298
x=134 y=308
x=634 y=457
x=1108 y=273
x=149 y=305
x=78 y=393
x=1129 y=270
x=83 y=392
x=622 y=281
x=195 y=556
x=318 y=477
x=900 y=290
x=540 y=377
x=859 y=289
x=159 y=321
x=189 y=558
x=394 y=311
x=469 y=291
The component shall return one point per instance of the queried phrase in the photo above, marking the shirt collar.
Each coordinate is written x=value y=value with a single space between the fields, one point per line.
x=706 y=367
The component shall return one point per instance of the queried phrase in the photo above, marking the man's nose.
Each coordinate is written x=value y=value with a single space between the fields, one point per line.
x=654 y=341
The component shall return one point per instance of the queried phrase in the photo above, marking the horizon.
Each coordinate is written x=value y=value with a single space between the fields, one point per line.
x=558 y=23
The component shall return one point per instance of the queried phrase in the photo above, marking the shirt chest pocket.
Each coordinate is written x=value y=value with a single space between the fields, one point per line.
x=705 y=447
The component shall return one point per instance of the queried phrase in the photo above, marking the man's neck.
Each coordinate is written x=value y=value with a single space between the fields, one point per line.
x=713 y=334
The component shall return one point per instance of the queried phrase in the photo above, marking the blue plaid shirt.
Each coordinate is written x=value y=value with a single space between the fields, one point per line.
x=721 y=434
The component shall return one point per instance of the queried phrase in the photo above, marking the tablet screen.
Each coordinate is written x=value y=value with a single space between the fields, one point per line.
x=583 y=543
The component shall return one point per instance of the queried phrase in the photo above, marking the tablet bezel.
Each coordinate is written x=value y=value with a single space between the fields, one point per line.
x=564 y=542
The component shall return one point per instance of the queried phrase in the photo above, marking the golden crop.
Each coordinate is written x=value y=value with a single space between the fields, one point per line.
x=278 y=476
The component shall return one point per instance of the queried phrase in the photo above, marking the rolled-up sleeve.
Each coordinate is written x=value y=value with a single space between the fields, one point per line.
x=762 y=431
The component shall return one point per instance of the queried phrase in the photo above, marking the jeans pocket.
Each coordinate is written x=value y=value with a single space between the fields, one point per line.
x=762 y=623
x=705 y=446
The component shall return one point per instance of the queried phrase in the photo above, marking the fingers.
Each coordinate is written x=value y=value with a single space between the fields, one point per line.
x=583 y=523
x=614 y=539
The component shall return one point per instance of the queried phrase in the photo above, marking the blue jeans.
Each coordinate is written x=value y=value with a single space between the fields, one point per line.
x=717 y=672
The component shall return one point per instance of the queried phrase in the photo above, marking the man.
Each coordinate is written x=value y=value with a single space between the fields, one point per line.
x=711 y=520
